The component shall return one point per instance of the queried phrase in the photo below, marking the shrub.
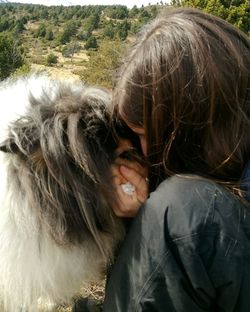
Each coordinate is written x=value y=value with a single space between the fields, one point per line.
x=11 y=55
x=51 y=59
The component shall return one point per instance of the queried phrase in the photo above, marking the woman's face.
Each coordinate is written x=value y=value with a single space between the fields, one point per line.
x=142 y=137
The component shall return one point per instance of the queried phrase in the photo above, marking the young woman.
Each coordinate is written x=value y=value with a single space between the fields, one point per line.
x=184 y=88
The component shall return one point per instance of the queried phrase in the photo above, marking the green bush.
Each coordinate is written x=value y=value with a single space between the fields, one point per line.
x=100 y=67
x=49 y=34
x=51 y=59
x=11 y=55
x=91 y=43
x=22 y=71
x=70 y=49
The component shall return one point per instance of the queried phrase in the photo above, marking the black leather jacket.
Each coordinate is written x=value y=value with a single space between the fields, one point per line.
x=188 y=250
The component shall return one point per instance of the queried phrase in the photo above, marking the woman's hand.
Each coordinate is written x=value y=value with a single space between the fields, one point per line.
x=125 y=171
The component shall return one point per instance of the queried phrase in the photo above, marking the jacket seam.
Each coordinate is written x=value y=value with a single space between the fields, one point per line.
x=148 y=282
x=183 y=237
x=233 y=241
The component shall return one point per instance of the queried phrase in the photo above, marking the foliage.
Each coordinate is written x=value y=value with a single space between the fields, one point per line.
x=41 y=31
x=236 y=12
x=49 y=34
x=19 y=27
x=69 y=31
x=11 y=55
x=109 y=30
x=84 y=35
x=117 y=12
x=5 y=24
x=133 y=12
x=91 y=43
x=101 y=65
x=123 y=29
x=70 y=49
x=51 y=59
x=92 y=22
x=22 y=71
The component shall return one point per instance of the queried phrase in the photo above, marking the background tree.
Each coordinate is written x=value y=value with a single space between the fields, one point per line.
x=69 y=31
x=133 y=12
x=123 y=29
x=51 y=59
x=49 y=34
x=70 y=49
x=44 y=13
x=66 y=29
x=144 y=16
x=11 y=55
x=100 y=68
x=84 y=34
x=19 y=27
x=109 y=30
x=41 y=31
x=92 y=22
x=117 y=12
x=91 y=43
x=236 y=12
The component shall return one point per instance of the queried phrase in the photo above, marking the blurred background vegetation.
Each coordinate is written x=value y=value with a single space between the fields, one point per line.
x=86 y=42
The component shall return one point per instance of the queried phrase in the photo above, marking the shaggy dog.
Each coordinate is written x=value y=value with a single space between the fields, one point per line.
x=57 y=229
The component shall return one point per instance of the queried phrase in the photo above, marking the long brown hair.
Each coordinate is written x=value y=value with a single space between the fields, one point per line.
x=186 y=81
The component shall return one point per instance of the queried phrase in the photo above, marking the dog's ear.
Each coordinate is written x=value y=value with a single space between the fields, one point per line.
x=8 y=146
x=22 y=138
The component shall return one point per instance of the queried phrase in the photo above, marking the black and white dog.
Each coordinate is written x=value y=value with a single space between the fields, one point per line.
x=57 y=229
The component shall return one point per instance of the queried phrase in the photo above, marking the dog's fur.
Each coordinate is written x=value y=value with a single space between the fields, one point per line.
x=57 y=229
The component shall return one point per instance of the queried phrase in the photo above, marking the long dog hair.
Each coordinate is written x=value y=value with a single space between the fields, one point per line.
x=57 y=229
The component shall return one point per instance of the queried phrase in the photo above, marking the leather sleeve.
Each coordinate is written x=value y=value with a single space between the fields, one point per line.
x=185 y=252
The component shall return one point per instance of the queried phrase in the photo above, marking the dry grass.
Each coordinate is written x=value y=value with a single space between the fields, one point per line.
x=66 y=68
x=38 y=50
x=56 y=72
x=95 y=291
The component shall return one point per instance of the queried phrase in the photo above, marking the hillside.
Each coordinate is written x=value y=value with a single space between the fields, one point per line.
x=62 y=40
x=85 y=42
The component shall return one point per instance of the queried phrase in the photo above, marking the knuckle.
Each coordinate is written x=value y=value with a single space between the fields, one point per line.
x=118 y=213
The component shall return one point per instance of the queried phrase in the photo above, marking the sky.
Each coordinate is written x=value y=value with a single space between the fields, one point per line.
x=128 y=3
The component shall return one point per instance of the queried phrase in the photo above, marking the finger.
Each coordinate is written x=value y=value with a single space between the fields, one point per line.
x=132 y=165
x=141 y=188
x=134 y=178
x=127 y=205
x=125 y=214
x=117 y=176
x=121 y=211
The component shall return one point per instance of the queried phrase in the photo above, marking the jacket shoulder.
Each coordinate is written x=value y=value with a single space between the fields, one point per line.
x=194 y=205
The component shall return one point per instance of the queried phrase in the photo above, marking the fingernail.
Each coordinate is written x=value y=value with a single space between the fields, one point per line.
x=124 y=169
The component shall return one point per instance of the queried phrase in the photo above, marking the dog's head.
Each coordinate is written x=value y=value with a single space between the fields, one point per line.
x=62 y=151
